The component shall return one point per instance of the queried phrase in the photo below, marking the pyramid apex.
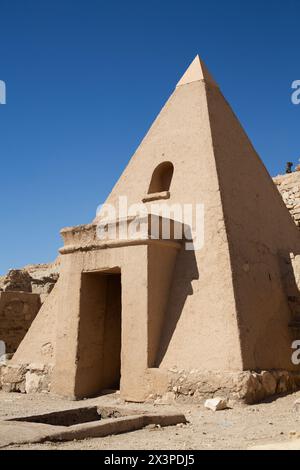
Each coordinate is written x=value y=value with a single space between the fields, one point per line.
x=195 y=72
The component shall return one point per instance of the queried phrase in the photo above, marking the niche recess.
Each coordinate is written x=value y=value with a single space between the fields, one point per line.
x=159 y=187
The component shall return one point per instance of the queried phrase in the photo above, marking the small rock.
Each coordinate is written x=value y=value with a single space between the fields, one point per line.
x=32 y=382
x=151 y=426
x=216 y=404
x=14 y=373
x=269 y=383
x=282 y=385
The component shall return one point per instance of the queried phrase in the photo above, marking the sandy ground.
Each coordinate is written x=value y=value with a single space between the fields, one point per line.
x=238 y=428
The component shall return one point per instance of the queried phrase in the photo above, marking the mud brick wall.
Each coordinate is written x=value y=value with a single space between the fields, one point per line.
x=17 y=312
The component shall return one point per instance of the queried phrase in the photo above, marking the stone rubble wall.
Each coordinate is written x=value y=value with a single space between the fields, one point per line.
x=289 y=187
x=184 y=386
x=26 y=378
x=37 y=279
x=195 y=386
x=249 y=387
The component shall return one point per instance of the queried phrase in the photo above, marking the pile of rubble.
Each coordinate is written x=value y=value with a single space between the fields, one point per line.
x=22 y=293
x=36 y=279
x=31 y=378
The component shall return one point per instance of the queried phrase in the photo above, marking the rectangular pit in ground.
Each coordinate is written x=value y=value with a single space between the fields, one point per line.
x=81 y=423
x=75 y=416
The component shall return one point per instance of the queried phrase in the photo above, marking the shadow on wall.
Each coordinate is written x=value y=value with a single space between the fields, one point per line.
x=289 y=265
x=270 y=304
x=186 y=271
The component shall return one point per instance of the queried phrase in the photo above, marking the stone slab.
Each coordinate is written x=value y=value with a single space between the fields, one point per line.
x=16 y=432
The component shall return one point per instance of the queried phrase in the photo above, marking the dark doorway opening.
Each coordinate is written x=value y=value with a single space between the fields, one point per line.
x=99 y=335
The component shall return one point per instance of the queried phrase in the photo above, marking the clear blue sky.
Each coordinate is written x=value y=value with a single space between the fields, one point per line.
x=85 y=79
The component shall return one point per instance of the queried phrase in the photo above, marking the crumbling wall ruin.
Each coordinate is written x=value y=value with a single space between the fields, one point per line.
x=22 y=292
x=289 y=187
x=36 y=278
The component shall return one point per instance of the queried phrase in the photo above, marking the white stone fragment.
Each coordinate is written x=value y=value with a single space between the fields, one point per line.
x=216 y=404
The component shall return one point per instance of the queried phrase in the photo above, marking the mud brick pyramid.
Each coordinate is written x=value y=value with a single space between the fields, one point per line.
x=134 y=314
